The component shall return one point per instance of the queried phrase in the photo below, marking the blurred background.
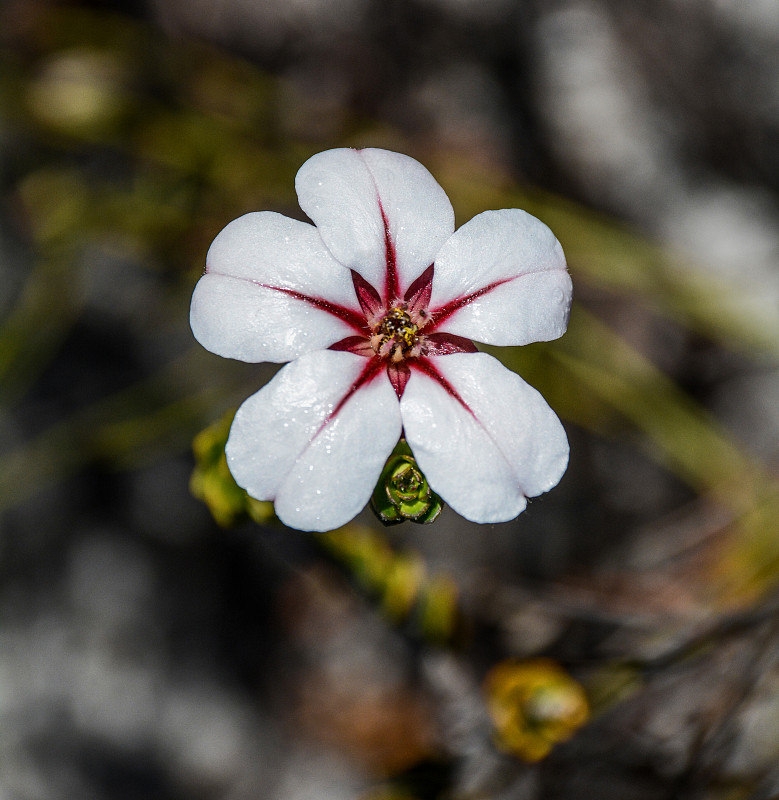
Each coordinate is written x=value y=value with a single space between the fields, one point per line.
x=156 y=646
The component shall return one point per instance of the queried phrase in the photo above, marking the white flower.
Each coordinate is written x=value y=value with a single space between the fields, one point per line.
x=375 y=307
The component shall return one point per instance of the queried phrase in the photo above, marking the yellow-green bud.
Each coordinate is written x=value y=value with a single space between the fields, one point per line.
x=403 y=493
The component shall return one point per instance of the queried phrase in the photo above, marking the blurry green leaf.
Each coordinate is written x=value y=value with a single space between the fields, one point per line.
x=535 y=705
x=399 y=580
x=82 y=91
x=213 y=483
x=611 y=684
x=402 y=582
x=438 y=615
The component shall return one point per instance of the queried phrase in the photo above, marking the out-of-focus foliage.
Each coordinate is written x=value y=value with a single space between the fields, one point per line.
x=400 y=581
x=212 y=482
x=535 y=705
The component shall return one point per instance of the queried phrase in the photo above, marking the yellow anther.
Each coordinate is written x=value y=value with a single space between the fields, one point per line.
x=396 y=333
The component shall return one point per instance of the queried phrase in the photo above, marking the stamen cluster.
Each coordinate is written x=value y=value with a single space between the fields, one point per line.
x=396 y=336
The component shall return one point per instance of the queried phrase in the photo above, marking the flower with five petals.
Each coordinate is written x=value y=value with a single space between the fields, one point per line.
x=376 y=307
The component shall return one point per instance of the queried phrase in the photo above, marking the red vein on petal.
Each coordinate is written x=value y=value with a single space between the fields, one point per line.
x=391 y=288
x=446 y=311
x=428 y=368
x=353 y=318
x=369 y=372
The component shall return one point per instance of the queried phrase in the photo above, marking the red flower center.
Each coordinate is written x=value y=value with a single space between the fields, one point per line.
x=391 y=331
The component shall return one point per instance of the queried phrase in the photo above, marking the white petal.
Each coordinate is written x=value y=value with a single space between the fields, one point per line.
x=345 y=191
x=319 y=467
x=515 y=260
x=486 y=459
x=242 y=307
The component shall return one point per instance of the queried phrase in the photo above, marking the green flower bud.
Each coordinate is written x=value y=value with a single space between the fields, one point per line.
x=403 y=493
